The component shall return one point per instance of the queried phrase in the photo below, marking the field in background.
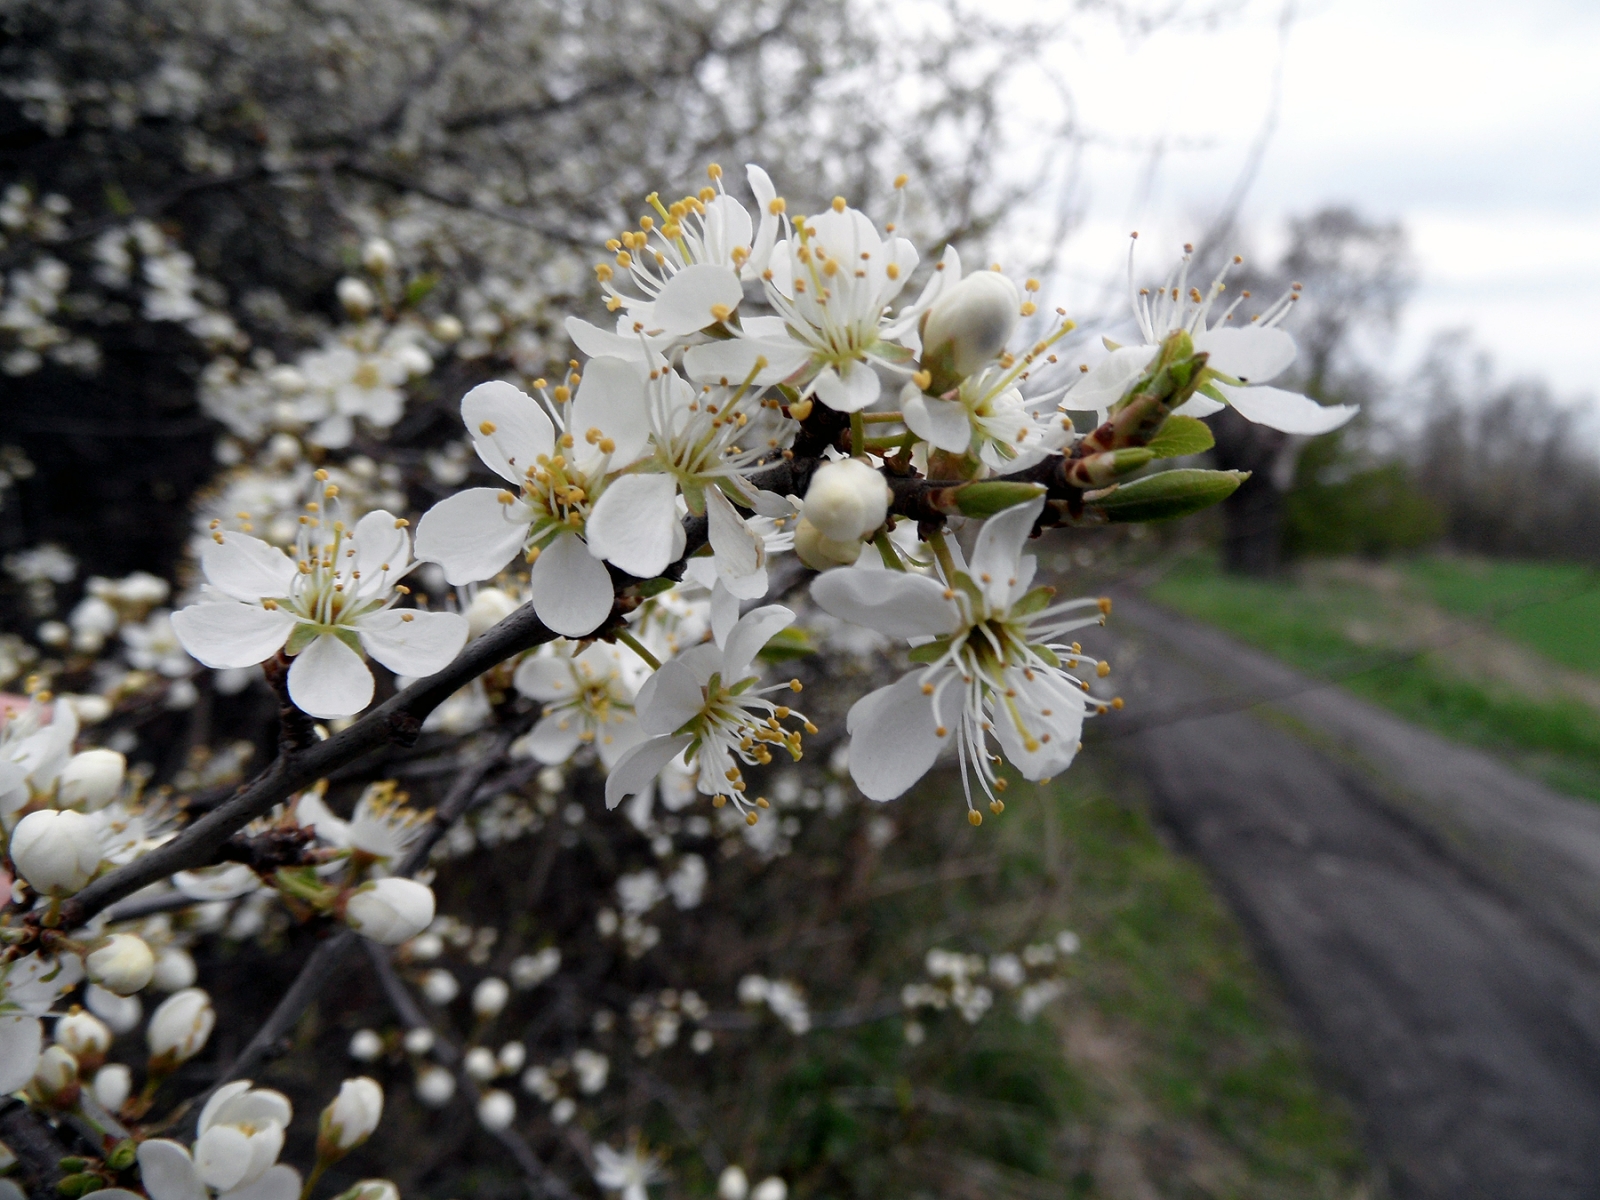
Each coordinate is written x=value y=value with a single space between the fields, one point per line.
x=1503 y=655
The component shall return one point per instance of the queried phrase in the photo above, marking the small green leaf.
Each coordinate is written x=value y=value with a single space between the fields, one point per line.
x=984 y=499
x=654 y=587
x=787 y=644
x=1169 y=494
x=1179 y=436
x=417 y=290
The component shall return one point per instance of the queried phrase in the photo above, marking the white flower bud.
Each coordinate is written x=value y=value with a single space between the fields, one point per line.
x=175 y=970
x=448 y=329
x=350 y=1119
x=123 y=965
x=733 y=1184
x=480 y=1064
x=440 y=987
x=370 y=1189
x=365 y=1046
x=562 y=1110
x=435 y=1086
x=490 y=997
x=56 y=852
x=512 y=1056
x=355 y=296
x=970 y=324
x=820 y=553
x=847 y=500
x=91 y=780
x=488 y=608
x=390 y=911
x=112 y=1083
x=84 y=1036
x=122 y=1013
x=180 y=1026
x=89 y=710
x=770 y=1188
x=426 y=947
x=143 y=588
x=55 y=1079
x=496 y=1109
x=418 y=1040
x=378 y=256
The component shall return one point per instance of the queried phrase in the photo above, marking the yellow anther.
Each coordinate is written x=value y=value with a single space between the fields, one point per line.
x=1105 y=608
x=839 y=204
x=592 y=436
x=974 y=816
x=604 y=272
x=927 y=689
x=794 y=685
x=567 y=441
x=707 y=193
x=540 y=384
x=751 y=818
x=329 y=492
x=1117 y=703
x=218 y=539
x=761 y=802
x=1102 y=669
x=901 y=180
x=892 y=270
x=1000 y=785
x=810 y=728
x=720 y=312
x=923 y=379
x=532 y=555
x=405 y=616
x=606 y=445
x=486 y=427
x=624 y=259
x=1029 y=308
x=320 y=474
x=613 y=245
x=997 y=807
x=506 y=497
x=561 y=393
x=401 y=523
x=940 y=732
x=714 y=171
x=1031 y=285
x=718 y=801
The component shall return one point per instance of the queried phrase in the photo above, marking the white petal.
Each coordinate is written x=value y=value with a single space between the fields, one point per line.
x=518 y=431
x=753 y=631
x=897 y=603
x=1105 y=384
x=767 y=231
x=893 y=737
x=544 y=679
x=1052 y=712
x=328 y=679
x=724 y=611
x=222 y=1156
x=472 y=535
x=637 y=769
x=631 y=524
x=167 y=1172
x=21 y=1040
x=598 y=343
x=615 y=738
x=1286 y=411
x=611 y=399
x=944 y=423
x=555 y=737
x=208 y=1114
x=247 y=568
x=383 y=552
x=996 y=558
x=857 y=388
x=226 y=636
x=684 y=305
x=413 y=643
x=668 y=699
x=734 y=360
x=1198 y=406
x=1250 y=353
x=281 y=1182
x=738 y=550
x=571 y=588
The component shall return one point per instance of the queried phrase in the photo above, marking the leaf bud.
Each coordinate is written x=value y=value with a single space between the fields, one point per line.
x=57 y=852
x=390 y=911
x=122 y=964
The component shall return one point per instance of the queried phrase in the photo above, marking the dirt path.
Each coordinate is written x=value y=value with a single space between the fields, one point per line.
x=1435 y=918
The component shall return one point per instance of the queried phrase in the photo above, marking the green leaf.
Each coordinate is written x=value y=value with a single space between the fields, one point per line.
x=787 y=644
x=418 y=289
x=1169 y=494
x=984 y=499
x=654 y=587
x=1179 y=436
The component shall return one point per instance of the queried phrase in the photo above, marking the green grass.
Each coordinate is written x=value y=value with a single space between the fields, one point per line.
x=1547 y=608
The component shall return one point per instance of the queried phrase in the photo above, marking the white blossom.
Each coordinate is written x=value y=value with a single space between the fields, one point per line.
x=180 y=1027
x=56 y=851
x=628 y=1172
x=124 y=964
x=391 y=910
x=350 y=1118
x=587 y=698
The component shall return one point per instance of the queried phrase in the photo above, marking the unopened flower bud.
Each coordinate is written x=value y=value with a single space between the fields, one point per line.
x=91 y=780
x=123 y=964
x=511 y=1058
x=969 y=325
x=84 y=1036
x=488 y=608
x=365 y=1045
x=350 y=1119
x=733 y=1184
x=847 y=500
x=57 y=852
x=390 y=911
x=55 y=1079
x=175 y=970
x=821 y=553
x=448 y=328
x=435 y=1086
x=496 y=1109
x=112 y=1083
x=489 y=997
x=179 y=1027
x=770 y=1188
x=439 y=986
x=370 y=1189
x=355 y=296
x=480 y=1064
x=378 y=256
x=122 y=1013
x=419 y=1040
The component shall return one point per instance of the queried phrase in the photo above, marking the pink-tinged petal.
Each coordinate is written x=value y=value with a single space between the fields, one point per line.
x=1051 y=711
x=21 y=1041
x=167 y=1172
x=281 y=1182
x=508 y=428
x=894 y=737
x=1250 y=353
x=668 y=699
x=545 y=679
x=753 y=631
x=893 y=602
x=638 y=768
x=1109 y=379
x=944 y=423
x=328 y=679
x=611 y=399
x=247 y=568
x=571 y=588
x=851 y=392
x=690 y=299
x=472 y=534
x=631 y=524
x=734 y=361
x=555 y=737
x=1286 y=411
x=413 y=643
x=382 y=552
x=225 y=635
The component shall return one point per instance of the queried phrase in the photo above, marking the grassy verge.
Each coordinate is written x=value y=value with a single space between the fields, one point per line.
x=1344 y=627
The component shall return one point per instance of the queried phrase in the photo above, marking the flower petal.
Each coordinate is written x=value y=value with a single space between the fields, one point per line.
x=767 y=231
x=893 y=738
x=1105 y=384
x=850 y=388
x=571 y=588
x=383 y=552
x=222 y=1156
x=508 y=428
x=943 y=423
x=997 y=556
x=1250 y=353
x=893 y=602
x=601 y=343
x=281 y=1182
x=668 y=699
x=246 y=568
x=472 y=535
x=167 y=1172
x=328 y=679
x=631 y=524
x=225 y=635
x=611 y=399
x=1286 y=411
x=208 y=1114
x=752 y=631
x=615 y=738
x=545 y=679
x=21 y=1041
x=410 y=642
x=1051 y=712
x=687 y=303
x=740 y=553
x=733 y=361
x=637 y=769
x=555 y=737
x=1198 y=406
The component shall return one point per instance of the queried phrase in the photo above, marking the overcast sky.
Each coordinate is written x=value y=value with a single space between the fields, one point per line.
x=1476 y=124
